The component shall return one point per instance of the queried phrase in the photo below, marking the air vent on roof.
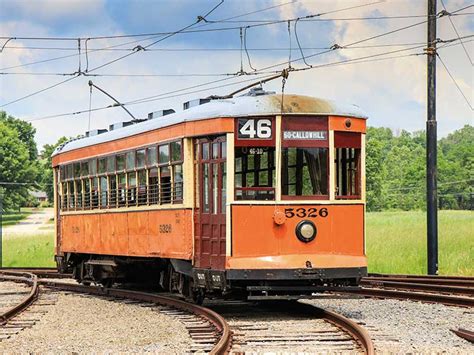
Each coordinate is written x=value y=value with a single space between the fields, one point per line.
x=119 y=125
x=195 y=102
x=160 y=113
x=258 y=92
x=95 y=132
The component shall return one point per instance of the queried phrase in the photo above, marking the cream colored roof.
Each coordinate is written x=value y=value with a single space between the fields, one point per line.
x=235 y=107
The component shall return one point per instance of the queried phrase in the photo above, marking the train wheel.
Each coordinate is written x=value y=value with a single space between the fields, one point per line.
x=107 y=283
x=198 y=296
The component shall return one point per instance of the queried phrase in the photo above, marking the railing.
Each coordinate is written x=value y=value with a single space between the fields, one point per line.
x=133 y=196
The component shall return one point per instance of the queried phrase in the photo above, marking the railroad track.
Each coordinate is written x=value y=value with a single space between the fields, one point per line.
x=23 y=312
x=451 y=291
x=19 y=277
x=290 y=326
x=208 y=330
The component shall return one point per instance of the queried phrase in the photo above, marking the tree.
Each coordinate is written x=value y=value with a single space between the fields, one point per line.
x=46 y=169
x=16 y=169
x=26 y=133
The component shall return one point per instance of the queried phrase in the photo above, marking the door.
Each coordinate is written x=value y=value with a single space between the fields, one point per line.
x=210 y=201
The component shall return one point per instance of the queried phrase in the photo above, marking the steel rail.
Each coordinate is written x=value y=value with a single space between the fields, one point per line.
x=41 y=272
x=414 y=296
x=28 y=278
x=465 y=334
x=357 y=332
x=221 y=347
x=432 y=277
x=417 y=286
x=463 y=281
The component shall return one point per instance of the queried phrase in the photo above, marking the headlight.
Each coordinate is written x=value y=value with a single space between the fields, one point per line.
x=306 y=231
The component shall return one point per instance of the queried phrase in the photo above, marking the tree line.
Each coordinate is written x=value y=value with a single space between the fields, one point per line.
x=395 y=167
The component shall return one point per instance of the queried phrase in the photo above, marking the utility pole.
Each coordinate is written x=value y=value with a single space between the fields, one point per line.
x=431 y=145
x=1 y=227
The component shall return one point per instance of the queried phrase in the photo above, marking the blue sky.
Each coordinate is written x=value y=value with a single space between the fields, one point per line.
x=392 y=92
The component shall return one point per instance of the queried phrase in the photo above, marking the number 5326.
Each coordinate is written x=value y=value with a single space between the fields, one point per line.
x=306 y=212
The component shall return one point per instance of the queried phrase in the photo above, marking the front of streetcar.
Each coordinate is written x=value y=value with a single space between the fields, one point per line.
x=295 y=198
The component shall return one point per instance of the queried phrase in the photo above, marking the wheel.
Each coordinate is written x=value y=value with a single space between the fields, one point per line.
x=107 y=283
x=198 y=296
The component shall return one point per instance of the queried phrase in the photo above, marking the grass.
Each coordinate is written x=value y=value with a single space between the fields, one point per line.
x=12 y=218
x=396 y=242
x=29 y=251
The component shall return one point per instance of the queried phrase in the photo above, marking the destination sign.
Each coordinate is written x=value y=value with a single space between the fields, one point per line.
x=305 y=135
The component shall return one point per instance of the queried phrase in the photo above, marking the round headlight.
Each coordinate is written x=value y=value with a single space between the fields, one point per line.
x=306 y=231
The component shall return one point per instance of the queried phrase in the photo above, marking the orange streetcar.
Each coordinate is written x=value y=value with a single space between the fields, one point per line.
x=244 y=195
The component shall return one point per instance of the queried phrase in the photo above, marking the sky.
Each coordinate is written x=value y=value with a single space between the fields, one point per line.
x=392 y=91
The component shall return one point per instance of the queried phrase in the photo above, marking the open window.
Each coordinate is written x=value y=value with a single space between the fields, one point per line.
x=305 y=172
x=304 y=158
x=347 y=165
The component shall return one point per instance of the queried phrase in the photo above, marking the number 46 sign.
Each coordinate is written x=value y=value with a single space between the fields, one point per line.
x=254 y=131
x=254 y=128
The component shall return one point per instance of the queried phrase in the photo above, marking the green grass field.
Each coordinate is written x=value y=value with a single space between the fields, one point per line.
x=29 y=251
x=9 y=219
x=396 y=243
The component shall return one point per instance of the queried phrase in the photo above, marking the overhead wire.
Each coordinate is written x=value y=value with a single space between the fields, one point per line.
x=160 y=96
x=269 y=22
x=167 y=34
x=457 y=34
x=103 y=65
x=319 y=53
x=454 y=81
x=246 y=51
x=38 y=91
x=199 y=19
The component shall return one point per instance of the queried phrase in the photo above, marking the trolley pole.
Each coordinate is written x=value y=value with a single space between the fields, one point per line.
x=431 y=145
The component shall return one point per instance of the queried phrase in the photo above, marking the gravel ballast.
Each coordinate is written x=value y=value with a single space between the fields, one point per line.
x=405 y=326
x=84 y=324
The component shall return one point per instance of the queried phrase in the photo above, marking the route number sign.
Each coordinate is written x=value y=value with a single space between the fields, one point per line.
x=254 y=128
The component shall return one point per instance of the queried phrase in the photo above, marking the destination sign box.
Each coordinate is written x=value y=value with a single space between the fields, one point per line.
x=305 y=135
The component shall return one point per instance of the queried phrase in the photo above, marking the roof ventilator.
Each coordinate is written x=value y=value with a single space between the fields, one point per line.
x=195 y=102
x=95 y=132
x=118 y=125
x=160 y=113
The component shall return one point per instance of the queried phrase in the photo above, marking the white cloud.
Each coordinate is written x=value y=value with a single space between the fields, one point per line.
x=393 y=92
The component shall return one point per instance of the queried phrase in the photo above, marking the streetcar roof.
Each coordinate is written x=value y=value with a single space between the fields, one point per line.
x=242 y=106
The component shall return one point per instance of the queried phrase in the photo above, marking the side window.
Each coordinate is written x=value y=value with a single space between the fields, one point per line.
x=170 y=160
x=347 y=164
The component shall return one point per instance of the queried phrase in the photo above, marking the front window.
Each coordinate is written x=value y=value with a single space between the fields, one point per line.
x=254 y=173
x=304 y=158
x=304 y=171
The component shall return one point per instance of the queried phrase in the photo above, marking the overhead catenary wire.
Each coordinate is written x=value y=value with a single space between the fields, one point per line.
x=454 y=81
x=168 y=34
x=160 y=96
x=457 y=34
x=39 y=91
x=312 y=55
x=134 y=49
x=103 y=65
x=221 y=49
